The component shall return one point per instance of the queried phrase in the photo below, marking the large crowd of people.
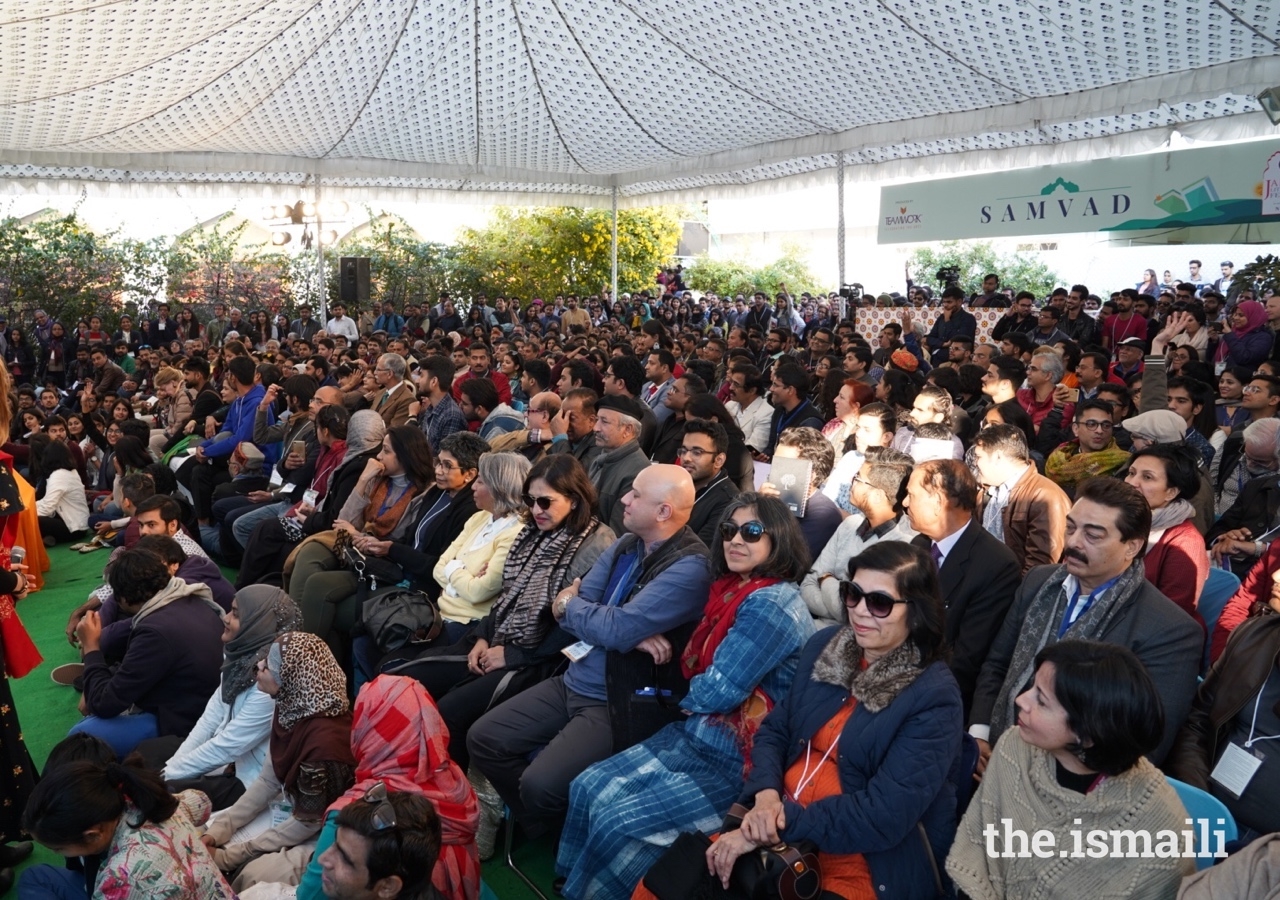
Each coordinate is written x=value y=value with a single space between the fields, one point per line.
x=627 y=569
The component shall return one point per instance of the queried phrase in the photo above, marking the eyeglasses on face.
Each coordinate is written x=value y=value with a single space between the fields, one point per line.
x=543 y=503
x=695 y=452
x=384 y=814
x=1096 y=424
x=879 y=604
x=446 y=466
x=751 y=531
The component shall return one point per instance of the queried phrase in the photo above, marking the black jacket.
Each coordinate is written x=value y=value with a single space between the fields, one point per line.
x=418 y=559
x=709 y=505
x=979 y=578
x=1255 y=508
x=1168 y=642
x=805 y=415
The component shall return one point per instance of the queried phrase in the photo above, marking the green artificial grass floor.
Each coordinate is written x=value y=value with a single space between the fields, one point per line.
x=47 y=710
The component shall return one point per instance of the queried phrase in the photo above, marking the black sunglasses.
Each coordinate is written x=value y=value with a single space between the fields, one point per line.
x=879 y=604
x=751 y=531
x=543 y=503
x=384 y=815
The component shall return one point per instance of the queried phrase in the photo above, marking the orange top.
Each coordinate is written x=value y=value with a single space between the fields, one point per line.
x=816 y=775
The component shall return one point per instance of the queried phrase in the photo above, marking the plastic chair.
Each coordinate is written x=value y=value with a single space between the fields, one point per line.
x=1219 y=589
x=486 y=892
x=1203 y=806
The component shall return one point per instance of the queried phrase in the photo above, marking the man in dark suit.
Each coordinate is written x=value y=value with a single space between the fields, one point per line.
x=978 y=574
x=1098 y=593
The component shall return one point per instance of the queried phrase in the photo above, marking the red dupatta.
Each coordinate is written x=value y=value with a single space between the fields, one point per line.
x=726 y=595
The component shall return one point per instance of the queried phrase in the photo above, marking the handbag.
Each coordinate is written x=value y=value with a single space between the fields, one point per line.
x=369 y=570
x=396 y=616
x=781 y=872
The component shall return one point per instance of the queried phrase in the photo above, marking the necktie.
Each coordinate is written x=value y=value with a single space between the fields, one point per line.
x=936 y=554
x=383 y=402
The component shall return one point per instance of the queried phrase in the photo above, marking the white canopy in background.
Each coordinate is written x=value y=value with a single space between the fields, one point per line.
x=532 y=101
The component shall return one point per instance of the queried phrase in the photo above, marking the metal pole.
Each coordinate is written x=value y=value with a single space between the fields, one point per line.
x=324 y=294
x=613 y=283
x=840 y=227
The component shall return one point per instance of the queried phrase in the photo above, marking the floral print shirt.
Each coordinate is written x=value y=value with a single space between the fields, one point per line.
x=164 y=861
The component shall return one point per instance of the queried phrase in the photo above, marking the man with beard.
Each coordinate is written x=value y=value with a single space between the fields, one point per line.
x=1125 y=324
x=1093 y=453
x=703 y=451
x=1099 y=593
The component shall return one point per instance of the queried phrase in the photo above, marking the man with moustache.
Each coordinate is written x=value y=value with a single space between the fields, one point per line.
x=1099 y=592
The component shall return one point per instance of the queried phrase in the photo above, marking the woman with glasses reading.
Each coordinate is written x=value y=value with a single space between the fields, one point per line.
x=740 y=662
x=858 y=758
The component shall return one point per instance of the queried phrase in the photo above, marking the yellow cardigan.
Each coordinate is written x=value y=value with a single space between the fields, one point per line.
x=476 y=592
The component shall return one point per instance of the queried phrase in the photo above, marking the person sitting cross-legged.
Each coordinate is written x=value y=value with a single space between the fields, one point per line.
x=648 y=583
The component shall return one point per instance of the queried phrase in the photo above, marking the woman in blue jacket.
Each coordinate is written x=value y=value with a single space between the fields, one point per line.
x=862 y=756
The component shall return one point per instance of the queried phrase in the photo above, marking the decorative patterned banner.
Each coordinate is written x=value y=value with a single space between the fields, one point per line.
x=870 y=321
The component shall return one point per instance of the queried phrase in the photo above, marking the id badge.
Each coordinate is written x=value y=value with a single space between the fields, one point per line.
x=577 y=652
x=1236 y=768
x=281 y=810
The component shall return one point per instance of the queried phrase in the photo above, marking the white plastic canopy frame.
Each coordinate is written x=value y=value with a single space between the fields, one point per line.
x=564 y=101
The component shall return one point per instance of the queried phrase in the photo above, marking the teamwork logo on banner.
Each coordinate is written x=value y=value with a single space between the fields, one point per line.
x=869 y=321
x=1231 y=185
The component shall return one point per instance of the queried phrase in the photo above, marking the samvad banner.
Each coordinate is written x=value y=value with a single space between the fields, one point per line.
x=1224 y=185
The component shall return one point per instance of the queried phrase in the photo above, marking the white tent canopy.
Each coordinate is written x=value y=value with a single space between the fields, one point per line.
x=567 y=100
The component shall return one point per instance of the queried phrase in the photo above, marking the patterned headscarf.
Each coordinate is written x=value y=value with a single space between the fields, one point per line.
x=399 y=739
x=265 y=612
x=311 y=681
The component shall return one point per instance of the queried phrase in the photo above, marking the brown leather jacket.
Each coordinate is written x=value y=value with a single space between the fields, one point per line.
x=1035 y=520
x=1234 y=679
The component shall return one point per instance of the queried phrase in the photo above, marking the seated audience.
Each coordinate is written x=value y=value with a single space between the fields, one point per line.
x=63 y=510
x=1093 y=453
x=469 y=571
x=617 y=430
x=1100 y=593
x=145 y=838
x=861 y=756
x=374 y=855
x=172 y=660
x=877 y=493
x=703 y=452
x=400 y=746
x=1238 y=706
x=227 y=748
x=1019 y=506
x=739 y=662
x=648 y=583
x=273 y=540
x=1074 y=766
x=978 y=573
x=1176 y=561
x=384 y=507
x=821 y=517
x=311 y=762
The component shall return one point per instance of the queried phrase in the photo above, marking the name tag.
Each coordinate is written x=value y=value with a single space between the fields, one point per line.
x=1236 y=768
x=276 y=478
x=577 y=652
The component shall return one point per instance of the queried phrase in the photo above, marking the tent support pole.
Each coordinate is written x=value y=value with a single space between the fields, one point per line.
x=840 y=227
x=320 y=289
x=613 y=283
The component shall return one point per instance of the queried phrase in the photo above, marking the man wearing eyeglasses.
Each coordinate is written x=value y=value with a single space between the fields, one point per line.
x=978 y=574
x=393 y=401
x=644 y=587
x=703 y=451
x=533 y=441
x=385 y=847
x=1093 y=453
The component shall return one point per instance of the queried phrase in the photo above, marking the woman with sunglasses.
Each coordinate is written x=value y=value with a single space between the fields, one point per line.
x=858 y=756
x=1075 y=765
x=740 y=662
x=400 y=745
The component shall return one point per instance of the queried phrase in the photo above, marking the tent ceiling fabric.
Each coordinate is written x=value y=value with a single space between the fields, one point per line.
x=568 y=98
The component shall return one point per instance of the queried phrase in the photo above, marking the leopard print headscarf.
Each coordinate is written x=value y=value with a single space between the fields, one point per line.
x=311 y=681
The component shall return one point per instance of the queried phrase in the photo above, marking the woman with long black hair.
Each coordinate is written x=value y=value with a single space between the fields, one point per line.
x=146 y=836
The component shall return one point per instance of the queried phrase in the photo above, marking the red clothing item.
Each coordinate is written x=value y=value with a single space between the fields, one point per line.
x=1037 y=411
x=1255 y=588
x=1115 y=330
x=499 y=381
x=1178 y=565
